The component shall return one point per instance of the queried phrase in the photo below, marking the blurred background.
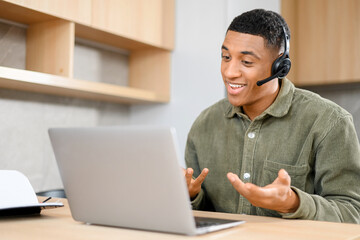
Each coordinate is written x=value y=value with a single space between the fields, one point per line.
x=184 y=60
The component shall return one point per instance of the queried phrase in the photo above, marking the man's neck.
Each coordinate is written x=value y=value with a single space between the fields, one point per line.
x=254 y=110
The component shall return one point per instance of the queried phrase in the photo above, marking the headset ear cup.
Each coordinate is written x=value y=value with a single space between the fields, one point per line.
x=285 y=67
x=275 y=68
x=282 y=65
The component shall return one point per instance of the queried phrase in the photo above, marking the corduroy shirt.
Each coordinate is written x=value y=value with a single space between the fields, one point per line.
x=310 y=137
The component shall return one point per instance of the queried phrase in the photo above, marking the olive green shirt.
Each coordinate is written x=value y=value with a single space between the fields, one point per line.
x=312 y=138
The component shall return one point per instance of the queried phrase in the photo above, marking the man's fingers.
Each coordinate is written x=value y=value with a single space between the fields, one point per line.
x=183 y=171
x=188 y=175
x=247 y=189
x=283 y=178
x=276 y=196
x=200 y=179
x=194 y=185
x=238 y=184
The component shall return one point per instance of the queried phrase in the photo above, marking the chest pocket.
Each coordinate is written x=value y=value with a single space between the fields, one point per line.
x=298 y=174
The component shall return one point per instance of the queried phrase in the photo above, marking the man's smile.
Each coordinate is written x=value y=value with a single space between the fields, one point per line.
x=235 y=85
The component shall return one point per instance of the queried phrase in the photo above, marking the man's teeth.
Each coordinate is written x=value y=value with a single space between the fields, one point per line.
x=236 y=85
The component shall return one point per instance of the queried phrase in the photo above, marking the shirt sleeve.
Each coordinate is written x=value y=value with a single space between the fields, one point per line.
x=336 y=178
x=198 y=201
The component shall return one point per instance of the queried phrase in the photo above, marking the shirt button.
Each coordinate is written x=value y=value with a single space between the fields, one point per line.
x=246 y=176
x=251 y=134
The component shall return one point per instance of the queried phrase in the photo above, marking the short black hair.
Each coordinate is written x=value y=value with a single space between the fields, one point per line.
x=264 y=23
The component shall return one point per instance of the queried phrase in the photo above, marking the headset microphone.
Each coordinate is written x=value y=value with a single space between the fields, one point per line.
x=281 y=66
x=259 y=83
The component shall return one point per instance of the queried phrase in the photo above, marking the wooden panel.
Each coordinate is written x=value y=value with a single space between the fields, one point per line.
x=107 y=38
x=20 y=14
x=150 y=70
x=45 y=83
x=168 y=19
x=140 y=20
x=74 y=10
x=328 y=36
x=289 y=13
x=50 y=47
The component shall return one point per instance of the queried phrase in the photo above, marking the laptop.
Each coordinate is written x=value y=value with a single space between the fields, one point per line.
x=127 y=177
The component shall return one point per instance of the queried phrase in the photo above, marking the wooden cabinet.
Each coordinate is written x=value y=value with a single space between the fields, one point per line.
x=140 y=19
x=72 y=10
x=144 y=28
x=325 y=37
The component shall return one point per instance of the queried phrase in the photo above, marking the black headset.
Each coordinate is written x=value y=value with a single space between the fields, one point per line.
x=281 y=66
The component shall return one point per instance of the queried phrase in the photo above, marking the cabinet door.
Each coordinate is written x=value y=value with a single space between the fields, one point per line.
x=325 y=40
x=136 y=19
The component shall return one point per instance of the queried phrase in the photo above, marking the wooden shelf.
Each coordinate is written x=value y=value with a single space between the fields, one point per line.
x=52 y=28
x=17 y=79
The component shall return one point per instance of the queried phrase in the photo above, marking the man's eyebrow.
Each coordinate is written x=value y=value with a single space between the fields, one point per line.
x=242 y=52
x=223 y=47
x=250 y=53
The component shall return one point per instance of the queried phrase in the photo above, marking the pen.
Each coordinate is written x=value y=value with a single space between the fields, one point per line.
x=46 y=199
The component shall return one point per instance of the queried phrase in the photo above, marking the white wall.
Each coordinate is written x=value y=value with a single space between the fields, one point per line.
x=196 y=79
x=236 y=7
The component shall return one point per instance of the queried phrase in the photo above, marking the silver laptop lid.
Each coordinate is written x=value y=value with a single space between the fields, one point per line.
x=124 y=176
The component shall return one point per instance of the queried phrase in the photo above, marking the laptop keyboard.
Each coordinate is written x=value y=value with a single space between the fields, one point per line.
x=206 y=222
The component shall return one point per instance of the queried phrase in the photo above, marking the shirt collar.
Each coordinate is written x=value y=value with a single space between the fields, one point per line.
x=279 y=108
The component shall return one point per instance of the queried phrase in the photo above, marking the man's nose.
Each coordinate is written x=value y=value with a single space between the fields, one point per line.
x=232 y=70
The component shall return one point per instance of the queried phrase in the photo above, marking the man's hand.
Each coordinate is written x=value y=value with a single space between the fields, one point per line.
x=194 y=185
x=277 y=196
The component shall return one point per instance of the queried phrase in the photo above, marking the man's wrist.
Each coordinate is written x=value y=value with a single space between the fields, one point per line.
x=294 y=201
x=193 y=198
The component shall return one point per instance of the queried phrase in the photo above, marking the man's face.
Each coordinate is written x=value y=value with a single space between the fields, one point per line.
x=246 y=60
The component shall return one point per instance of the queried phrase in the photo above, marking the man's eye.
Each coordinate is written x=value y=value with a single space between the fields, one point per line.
x=246 y=62
x=225 y=57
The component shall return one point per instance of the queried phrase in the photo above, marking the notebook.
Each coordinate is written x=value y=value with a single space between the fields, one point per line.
x=17 y=196
x=127 y=177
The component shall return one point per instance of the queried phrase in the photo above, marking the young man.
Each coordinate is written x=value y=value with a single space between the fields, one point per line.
x=274 y=149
